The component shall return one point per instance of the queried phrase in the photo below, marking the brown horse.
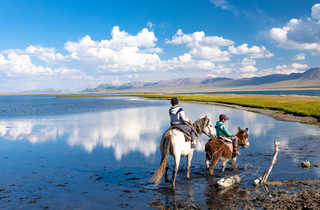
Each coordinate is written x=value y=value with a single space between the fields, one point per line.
x=217 y=149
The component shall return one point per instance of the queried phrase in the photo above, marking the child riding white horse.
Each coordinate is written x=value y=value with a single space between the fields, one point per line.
x=173 y=143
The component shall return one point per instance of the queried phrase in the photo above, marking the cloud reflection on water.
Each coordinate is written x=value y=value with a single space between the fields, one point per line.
x=124 y=130
x=139 y=129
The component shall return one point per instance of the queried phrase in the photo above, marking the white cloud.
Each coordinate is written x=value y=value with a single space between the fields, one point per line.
x=315 y=11
x=284 y=69
x=221 y=3
x=152 y=50
x=150 y=24
x=198 y=39
x=3 y=60
x=248 y=61
x=186 y=62
x=123 y=52
x=299 y=66
x=248 y=67
x=225 y=5
x=300 y=57
x=46 y=54
x=16 y=65
x=213 y=54
x=301 y=34
x=253 y=52
x=203 y=47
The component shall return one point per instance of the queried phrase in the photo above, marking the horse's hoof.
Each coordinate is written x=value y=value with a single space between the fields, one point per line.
x=166 y=180
x=188 y=178
x=211 y=173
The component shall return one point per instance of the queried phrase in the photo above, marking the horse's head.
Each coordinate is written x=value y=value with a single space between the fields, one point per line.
x=203 y=125
x=243 y=137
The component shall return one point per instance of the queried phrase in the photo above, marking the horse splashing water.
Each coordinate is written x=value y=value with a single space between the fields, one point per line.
x=216 y=149
x=173 y=143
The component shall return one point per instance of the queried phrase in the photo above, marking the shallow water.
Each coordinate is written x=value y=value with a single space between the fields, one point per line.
x=99 y=153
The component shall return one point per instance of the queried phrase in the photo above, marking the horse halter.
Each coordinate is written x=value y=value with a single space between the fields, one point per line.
x=243 y=137
x=210 y=135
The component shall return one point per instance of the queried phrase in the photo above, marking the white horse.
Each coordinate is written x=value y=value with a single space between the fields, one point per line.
x=173 y=142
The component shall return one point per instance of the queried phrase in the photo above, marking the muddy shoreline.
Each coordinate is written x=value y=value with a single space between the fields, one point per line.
x=293 y=194
x=278 y=115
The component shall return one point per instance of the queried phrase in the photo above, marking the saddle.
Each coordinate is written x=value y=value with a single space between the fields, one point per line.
x=227 y=142
x=186 y=136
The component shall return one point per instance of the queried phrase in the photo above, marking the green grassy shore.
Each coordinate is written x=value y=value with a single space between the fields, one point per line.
x=296 y=105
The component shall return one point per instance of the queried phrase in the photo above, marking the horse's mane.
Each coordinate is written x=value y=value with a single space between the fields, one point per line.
x=200 y=124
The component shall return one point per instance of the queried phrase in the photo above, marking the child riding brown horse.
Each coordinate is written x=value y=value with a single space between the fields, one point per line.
x=217 y=148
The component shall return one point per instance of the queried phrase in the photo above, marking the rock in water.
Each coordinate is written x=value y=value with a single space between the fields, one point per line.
x=306 y=164
x=227 y=182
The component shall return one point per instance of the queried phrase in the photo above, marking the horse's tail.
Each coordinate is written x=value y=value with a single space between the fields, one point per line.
x=156 y=177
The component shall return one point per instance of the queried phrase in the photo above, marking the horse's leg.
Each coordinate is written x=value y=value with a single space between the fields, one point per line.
x=224 y=163
x=166 y=174
x=216 y=158
x=208 y=158
x=176 y=167
x=162 y=158
x=234 y=162
x=189 y=158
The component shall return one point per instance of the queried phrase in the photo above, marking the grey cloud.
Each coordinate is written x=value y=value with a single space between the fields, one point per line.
x=305 y=32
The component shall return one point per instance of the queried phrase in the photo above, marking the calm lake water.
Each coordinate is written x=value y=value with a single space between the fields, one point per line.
x=99 y=153
x=270 y=92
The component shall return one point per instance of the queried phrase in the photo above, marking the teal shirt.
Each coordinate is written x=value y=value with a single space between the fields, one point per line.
x=222 y=130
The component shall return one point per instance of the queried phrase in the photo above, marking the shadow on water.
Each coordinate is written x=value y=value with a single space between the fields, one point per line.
x=105 y=157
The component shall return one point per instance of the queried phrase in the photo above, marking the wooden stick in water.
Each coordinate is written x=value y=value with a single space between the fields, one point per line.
x=263 y=179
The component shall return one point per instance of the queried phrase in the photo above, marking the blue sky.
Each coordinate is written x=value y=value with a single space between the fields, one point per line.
x=77 y=44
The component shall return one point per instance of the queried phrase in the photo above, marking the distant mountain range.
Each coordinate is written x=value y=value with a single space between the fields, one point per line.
x=309 y=77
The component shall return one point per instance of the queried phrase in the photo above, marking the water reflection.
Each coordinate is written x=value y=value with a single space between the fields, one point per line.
x=61 y=144
x=139 y=129
x=125 y=130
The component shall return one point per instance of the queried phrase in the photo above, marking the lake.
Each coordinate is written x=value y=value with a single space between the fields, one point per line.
x=99 y=153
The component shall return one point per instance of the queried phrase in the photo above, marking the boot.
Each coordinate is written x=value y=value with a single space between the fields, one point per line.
x=193 y=145
x=234 y=144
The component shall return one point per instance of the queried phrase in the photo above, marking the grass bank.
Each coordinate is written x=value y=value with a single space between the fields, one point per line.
x=296 y=105
x=301 y=106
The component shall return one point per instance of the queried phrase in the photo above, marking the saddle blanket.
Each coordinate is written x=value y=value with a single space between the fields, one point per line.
x=227 y=142
x=186 y=136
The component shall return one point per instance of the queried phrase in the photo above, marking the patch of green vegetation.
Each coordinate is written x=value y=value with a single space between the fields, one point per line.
x=301 y=106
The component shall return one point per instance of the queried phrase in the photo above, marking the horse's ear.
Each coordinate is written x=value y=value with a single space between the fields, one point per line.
x=239 y=128
x=247 y=129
